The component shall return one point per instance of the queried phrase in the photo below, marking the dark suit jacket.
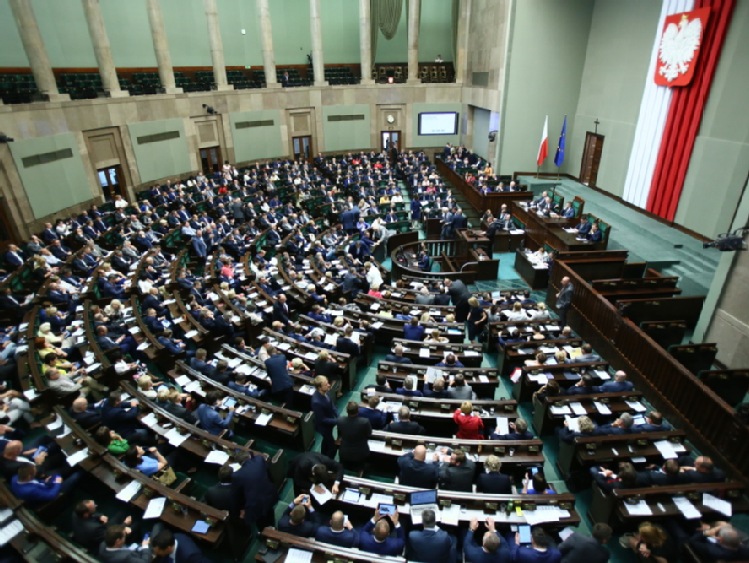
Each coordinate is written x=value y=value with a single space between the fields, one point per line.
x=430 y=546
x=391 y=546
x=187 y=551
x=474 y=553
x=123 y=555
x=344 y=538
x=458 y=292
x=354 y=433
x=307 y=529
x=714 y=551
x=224 y=497
x=301 y=466
x=280 y=313
x=414 y=473
x=347 y=346
x=583 y=549
x=377 y=419
x=252 y=484
x=494 y=483
x=89 y=532
x=405 y=427
x=275 y=367
x=458 y=477
x=325 y=412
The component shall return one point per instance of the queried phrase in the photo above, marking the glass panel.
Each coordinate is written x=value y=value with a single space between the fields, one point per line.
x=103 y=180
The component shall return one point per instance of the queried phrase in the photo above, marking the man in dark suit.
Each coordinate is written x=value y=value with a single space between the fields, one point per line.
x=702 y=471
x=326 y=415
x=375 y=537
x=310 y=468
x=403 y=424
x=414 y=471
x=579 y=548
x=541 y=550
x=492 y=482
x=668 y=474
x=458 y=473
x=299 y=518
x=725 y=547
x=413 y=330
x=397 y=356
x=114 y=549
x=354 y=432
x=89 y=527
x=460 y=221
x=338 y=533
x=282 y=387
x=432 y=544
x=619 y=384
x=281 y=310
x=252 y=484
x=223 y=495
x=346 y=345
x=459 y=296
x=199 y=246
x=14 y=257
x=492 y=549
x=564 y=299
x=168 y=547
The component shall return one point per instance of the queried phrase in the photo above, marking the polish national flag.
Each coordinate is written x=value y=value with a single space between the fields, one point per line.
x=543 y=148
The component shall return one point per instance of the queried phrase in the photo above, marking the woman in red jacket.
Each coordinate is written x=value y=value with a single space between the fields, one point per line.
x=470 y=426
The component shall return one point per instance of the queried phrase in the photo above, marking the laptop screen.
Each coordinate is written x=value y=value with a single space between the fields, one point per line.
x=424 y=497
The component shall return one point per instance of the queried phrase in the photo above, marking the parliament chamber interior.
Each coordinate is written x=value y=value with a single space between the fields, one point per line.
x=374 y=280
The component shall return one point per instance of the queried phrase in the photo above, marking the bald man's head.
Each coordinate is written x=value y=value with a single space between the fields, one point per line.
x=336 y=521
x=420 y=453
x=13 y=448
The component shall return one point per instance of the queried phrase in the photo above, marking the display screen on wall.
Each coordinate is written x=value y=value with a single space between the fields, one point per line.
x=438 y=123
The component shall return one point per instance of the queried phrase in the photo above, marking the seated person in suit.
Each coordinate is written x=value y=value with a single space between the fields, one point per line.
x=541 y=548
x=409 y=387
x=375 y=536
x=451 y=361
x=569 y=211
x=586 y=428
x=415 y=471
x=595 y=234
x=653 y=423
x=26 y=487
x=397 y=356
x=459 y=389
x=402 y=423
x=620 y=383
x=457 y=474
x=299 y=518
x=493 y=548
x=436 y=390
x=668 y=474
x=114 y=549
x=725 y=545
x=583 y=227
x=622 y=425
x=432 y=544
x=338 y=533
x=377 y=418
x=345 y=343
x=536 y=484
x=701 y=471
x=607 y=480
x=491 y=481
x=168 y=547
x=518 y=431
x=413 y=330
x=651 y=543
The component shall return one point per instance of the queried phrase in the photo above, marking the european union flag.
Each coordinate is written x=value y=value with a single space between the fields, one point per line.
x=559 y=157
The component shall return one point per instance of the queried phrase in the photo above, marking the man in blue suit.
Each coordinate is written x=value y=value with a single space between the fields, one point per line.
x=168 y=547
x=338 y=533
x=375 y=537
x=258 y=493
x=281 y=385
x=619 y=384
x=726 y=544
x=199 y=246
x=326 y=415
x=492 y=548
x=432 y=544
x=541 y=550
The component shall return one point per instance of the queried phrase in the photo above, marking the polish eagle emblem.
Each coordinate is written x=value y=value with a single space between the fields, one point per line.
x=678 y=49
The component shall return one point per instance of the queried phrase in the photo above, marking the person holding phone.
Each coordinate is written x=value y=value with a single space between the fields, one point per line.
x=210 y=420
x=492 y=549
x=299 y=518
x=375 y=536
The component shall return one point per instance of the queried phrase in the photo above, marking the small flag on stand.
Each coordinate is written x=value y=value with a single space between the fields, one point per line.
x=559 y=157
x=543 y=148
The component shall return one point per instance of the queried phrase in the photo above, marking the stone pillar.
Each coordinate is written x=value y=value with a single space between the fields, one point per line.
x=266 y=38
x=365 y=42
x=414 y=13
x=318 y=65
x=217 y=46
x=161 y=48
x=461 y=47
x=102 y=50
x=23 y=13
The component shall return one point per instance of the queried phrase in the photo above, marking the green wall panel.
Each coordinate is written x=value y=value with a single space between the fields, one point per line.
x=65 y=32
x=340 y=31
x=56 y=185
x=239 y=49
x=396 y=49
x=162 y=159
x=252 y=143
x=129 y=32
x=547 y=55
x=187 y=32
x=11 y=48
x=434 y=140
x=436 y=30
x=345 y=135
x=480 y=144
x=292 y=39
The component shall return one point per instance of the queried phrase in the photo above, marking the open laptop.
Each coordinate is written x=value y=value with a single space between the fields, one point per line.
x=421 y=501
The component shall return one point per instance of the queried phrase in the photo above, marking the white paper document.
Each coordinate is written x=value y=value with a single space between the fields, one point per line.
x=77 y=457
x=666 y=449
x=352 y=496
x=687 y=508
x=218 y=457
x=450 y=515
x=640 y=508
x=10 y=531
x=722 y=506
x=129 y=491
x=602 y=407
x=561 y=409
x=264 y=418
x=321 y=494
x=175 y=438
x=295 y=555
x=636 y=406
x=155 y=508
x=503 y=425
x=578 y=408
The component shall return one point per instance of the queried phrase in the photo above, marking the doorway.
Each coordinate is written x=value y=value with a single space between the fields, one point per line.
x=210 y=158
x=302 y=147
x=109 y=181
x=390 y=140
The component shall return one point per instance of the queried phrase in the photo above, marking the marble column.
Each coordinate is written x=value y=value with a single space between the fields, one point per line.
x=102 y=50
x=161 y=48
x=33 y=44
x=266 y=38
x=217 y=46
x=414 y=17
x=365 y=42
x=461 y=47
x=318 y=64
